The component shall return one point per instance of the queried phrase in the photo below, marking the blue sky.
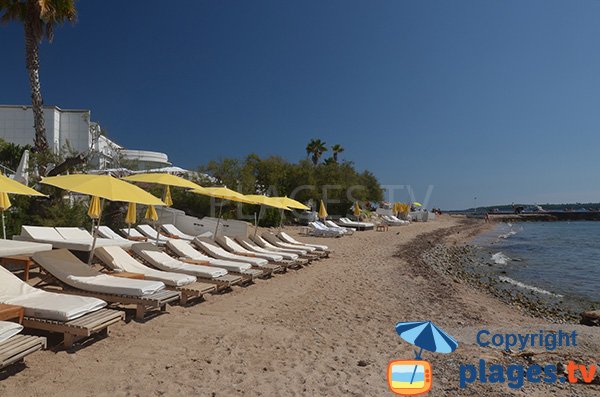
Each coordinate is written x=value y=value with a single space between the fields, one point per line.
x=490 y=99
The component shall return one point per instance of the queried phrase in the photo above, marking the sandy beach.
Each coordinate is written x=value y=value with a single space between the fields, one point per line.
x=326 y=329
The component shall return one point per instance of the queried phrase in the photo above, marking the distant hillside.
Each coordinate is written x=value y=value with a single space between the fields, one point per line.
x=547 y=207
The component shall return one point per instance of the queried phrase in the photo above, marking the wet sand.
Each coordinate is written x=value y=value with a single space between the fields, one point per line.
x=326 y=329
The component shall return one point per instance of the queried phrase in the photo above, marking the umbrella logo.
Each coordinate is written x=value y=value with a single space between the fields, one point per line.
x=414 y=377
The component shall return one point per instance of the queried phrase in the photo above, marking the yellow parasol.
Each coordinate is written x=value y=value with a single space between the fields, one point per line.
x=131 y=216
x=4 y=201
x=223 y=193
x=162 y=179
x=4 y=205
x=151 y=213
x=416 y=204
x=268 y=201
x=8 y=185
x=322 y=211
x=95 y=209
x=167 y=197
x=356 y=209
x=102 y=186
x=291 y=203
x=166 y=180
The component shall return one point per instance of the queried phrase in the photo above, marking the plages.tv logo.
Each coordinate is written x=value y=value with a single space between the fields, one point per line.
x=414 y=377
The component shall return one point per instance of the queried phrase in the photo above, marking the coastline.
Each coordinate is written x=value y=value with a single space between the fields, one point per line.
x=326 y=329
x=465 y=262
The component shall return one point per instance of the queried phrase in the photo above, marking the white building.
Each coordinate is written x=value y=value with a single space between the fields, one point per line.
x=71 y=130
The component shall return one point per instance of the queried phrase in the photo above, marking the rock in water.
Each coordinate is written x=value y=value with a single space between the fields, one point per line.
x=591 y=318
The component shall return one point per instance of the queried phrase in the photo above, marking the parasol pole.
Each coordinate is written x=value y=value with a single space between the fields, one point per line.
x=418 y=357
x=3 y=226
x=95 y=234
x=158 y=228
x=259 y=215
x=218 y=220
x=281 y=218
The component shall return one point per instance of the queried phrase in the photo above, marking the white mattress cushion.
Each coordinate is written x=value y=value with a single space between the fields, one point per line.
x=13 y=247
x=164 y=262
x=184 y=249
x=119 y=260
x=222 y=254
x=70 y=270
x=9 y=329
x=43 y=304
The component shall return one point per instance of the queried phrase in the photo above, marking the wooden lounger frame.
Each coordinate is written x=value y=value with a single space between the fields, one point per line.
x=157 y=300
x=192 y=291
x=18 y=346
x=79 y=328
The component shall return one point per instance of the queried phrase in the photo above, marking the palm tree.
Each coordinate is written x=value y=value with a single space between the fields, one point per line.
x=315 y=150
x=336 y=149
x=39 y=17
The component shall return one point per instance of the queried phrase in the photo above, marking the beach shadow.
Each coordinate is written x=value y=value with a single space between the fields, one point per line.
x=12 y=369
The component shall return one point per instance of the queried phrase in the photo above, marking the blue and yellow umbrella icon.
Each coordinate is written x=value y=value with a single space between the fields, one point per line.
x=425 y=335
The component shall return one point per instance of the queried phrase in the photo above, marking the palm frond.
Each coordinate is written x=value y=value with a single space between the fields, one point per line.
x=12 y=10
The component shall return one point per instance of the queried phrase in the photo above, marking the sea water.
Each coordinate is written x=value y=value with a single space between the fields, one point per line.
x=547 y=258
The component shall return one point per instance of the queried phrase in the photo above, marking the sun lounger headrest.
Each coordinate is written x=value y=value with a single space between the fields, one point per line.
x=116 y=258
x=41 y=233
x=9 y=329
x=73 y=233
x=138 y=248
x=12 y=286
x=107 y=232
x=62 y=263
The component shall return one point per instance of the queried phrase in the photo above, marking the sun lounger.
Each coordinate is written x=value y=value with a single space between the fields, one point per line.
x=187 y=253
x=161 y=260
x=337 y=229
x=232 y=246
x=332 y=225
x=345 y=222
x=252 y=246
x=271 y=238
x=15 y=347
x=150 y=233
x=393 y=221
x=286 y=238
x=74 y=274
x=210 y=248
x=173 y=231
x=50 y=235
x=107 y=232
x=13 y=247
x=401 y=221
x=78 y=233
x=303 y=252
x=134 y=235
x=74 y=316
x=118 y=260
x=319 y=230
